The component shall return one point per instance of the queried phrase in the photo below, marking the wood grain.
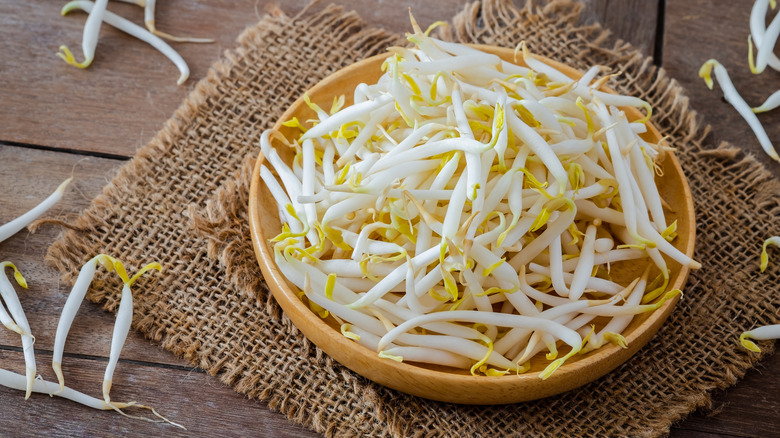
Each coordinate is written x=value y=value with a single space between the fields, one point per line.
x=130 y=89
x=631 y=21
x=191 y=398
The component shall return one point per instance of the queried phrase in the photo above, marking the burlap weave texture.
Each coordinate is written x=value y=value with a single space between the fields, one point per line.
x=182 y=200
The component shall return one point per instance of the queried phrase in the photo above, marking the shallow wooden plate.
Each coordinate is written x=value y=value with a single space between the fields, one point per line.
x=445 y=384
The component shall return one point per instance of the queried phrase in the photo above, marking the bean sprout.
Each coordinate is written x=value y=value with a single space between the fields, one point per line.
x=16 y=225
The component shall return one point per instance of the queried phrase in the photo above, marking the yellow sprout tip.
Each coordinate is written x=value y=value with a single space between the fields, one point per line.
x=434 y=26
x=747 y=343
x=751 y=62
x=68 y=57
x=617 y=339
x=64 y=184
x=547 y=372
x=384 y=355
x=764 y=254
x=20 y=279
x=58 y=371
x=119 y=267
x=705 y=72
x=142 y=271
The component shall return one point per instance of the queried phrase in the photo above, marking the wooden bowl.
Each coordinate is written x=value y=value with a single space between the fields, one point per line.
x=445 y=384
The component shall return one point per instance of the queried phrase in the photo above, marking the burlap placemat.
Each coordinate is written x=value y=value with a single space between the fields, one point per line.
x=182 y=200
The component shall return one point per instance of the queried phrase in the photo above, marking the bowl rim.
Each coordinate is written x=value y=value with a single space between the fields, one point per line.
x=353 y=355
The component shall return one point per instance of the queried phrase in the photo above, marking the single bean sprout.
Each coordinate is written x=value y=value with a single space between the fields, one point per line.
x=465 y=211
x=761 y=334
x=17 y=381
x=124 y=318
x=16 y=225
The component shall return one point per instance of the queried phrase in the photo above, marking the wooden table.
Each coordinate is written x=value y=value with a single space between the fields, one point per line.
x=57 y=121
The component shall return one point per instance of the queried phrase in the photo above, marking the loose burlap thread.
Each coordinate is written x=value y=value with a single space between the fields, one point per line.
x=183 y=200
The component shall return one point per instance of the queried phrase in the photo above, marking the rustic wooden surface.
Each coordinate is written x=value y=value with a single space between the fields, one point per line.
x=57 y=121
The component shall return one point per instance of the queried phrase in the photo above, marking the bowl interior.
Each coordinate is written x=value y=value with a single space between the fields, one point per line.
x=446 y=384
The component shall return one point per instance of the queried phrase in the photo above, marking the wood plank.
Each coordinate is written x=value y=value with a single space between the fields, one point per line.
x=28 y=176
x=746 y=410
x=130 y=89
x=632 y=21
x=194 y=399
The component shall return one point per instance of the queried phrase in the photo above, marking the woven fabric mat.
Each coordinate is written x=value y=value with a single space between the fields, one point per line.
x=183 y=201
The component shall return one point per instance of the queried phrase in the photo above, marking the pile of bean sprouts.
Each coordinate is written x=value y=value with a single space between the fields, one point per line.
x=465 y=211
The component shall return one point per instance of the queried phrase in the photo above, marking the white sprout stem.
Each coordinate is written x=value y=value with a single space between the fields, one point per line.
x=568 y=336
x=124 y=318
x=15 y=309
x=767 y=45
x=607 y=256
x=394 y=278
x=19 y=382
x=471 y=349
x=280 y=197
x=593 y=283
x=137 y=31
x=307 y=188
x=758 y=29
x=622 y=173
x=733 y=97
x=585 y=263
x=556 y=268
x=352 y=113
x=771 y=102
x=69 y=310
x=538 y=245
x=9 y=323
x=16 y=225
x=429 y=355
